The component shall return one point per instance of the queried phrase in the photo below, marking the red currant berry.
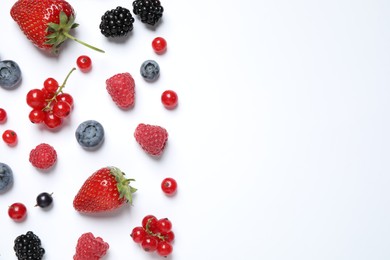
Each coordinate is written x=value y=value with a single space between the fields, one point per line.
x=61 y=109
x=51 y=85
x=37 y=116
x=36 y=98
x=149 y=244
x=164 y=248
x=48 y=95
x=169 y=237
x=159 y=45
x=52 y=121
x=169 y=99
x=169 y=186
x=10 y=137
x=65 y=97
x=164 y=225
x=138 y=234
x=17 y=211
x=149 y=222
x=3 y=115
x=84 y=63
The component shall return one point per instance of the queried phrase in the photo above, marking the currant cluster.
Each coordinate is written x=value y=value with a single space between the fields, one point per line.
x=50 y=105
x=155 y=235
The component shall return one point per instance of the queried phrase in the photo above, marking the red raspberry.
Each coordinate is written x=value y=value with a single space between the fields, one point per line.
x=121 y=88
x=43 y=156
x=90 y=247
x=152 y=138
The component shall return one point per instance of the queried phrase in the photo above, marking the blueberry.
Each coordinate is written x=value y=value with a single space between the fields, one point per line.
x=6 y=177
x=150 y=70
x=90 y=134
x=10 y=74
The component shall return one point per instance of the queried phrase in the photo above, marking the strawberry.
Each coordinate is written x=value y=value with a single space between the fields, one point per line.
x=121 y=88
x=105 y=190
x=46 y=23
x=152 y=138
x=90 y=247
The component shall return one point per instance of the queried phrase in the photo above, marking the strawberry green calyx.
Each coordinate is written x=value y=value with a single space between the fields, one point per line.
x=123 y=185
x=58 y=33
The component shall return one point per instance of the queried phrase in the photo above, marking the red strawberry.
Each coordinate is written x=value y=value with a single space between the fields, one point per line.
x=43 y=156
x=90 y=247
x=105 y=190
x=121 y=88
x=46 y=23
x=152 y=138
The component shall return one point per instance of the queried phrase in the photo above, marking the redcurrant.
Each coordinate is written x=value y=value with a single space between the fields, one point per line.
x=169 y=186
x=10 y=137
x=65 y=97
x=164 y=225
x=51 y=85
x=37 y=116
x=3 y=115
x=149 y=222
x=169 y=236
x=159 y=45
x=61 y=109
x=169 y=99
x=52 y=121
x=17 y=211
x=138 y=234
x=36 y=98
x=164 y=248
x=149 y=243
x=84 y=63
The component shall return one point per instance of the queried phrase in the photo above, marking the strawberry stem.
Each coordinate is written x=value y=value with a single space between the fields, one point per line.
x=83 y=43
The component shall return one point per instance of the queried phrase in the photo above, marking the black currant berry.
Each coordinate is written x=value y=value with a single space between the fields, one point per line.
x=44 y=200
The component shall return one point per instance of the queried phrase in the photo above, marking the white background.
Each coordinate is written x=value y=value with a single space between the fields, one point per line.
x=280 y=144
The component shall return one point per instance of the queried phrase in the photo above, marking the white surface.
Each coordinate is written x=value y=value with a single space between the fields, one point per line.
x=280 y=144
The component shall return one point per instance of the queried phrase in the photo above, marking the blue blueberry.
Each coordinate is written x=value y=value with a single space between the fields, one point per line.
x=90 y=134
x=150 y=70
x=6 y=177
x=10 y=74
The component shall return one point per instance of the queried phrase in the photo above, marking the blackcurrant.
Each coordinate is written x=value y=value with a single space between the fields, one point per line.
x=44 y=200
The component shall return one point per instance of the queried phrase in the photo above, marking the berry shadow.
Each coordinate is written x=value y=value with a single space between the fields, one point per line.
x=122 y=39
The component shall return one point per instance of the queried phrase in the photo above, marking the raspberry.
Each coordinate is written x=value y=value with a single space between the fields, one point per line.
x=90 y=247
x=152 y=138
x=43 y=156
x=121 y=88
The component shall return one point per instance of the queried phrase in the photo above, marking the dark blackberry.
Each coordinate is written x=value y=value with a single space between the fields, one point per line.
x=28 y=247
x=149 y=11
x=116 y=22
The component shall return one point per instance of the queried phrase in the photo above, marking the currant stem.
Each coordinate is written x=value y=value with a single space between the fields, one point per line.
x=83 y=43
x=147 y=227
x=47 y=107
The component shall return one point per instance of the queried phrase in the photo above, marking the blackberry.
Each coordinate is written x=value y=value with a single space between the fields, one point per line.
x=28 y=246
x=149 y=11
x=116 y=22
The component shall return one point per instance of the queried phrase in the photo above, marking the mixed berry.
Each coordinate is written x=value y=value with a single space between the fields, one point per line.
x=108 y=188
x=50 y=105
x=154 y=235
